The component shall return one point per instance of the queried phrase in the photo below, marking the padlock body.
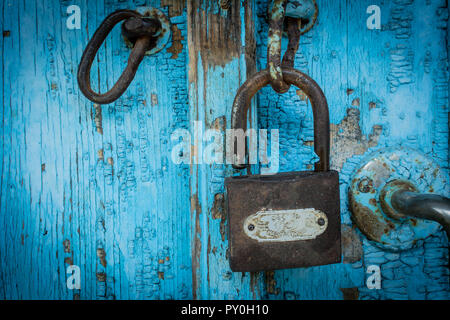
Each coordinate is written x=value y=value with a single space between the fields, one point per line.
x=271 y=220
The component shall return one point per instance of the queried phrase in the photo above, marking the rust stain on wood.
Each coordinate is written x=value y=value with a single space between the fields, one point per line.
x=176 y=7
x=214 y=36
x=196 y=248
x=254 y=284
x=350 y=293
x=100 y=154
x=101 y=254
x=101 y=276
x=176 y=46
x=250 y=41
x=66 y=245
x=271 y=283
x=218 y=212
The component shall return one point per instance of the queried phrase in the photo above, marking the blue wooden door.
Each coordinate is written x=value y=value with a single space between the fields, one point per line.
x=94 y=186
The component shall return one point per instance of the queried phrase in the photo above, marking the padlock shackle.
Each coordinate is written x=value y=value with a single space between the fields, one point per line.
x=315 y=94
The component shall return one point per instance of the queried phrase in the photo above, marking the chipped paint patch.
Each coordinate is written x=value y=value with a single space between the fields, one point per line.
x=271 y=283
x=356 y=102
x=347 y=139
x=101 y=276
x=218 y=212
x=66 y=245
x=154 y=99
x=101 y=254
x=100 y=154
x=351 y=245
x=301 y=95
x=98 y=118
x=175 y=7
x=350 y=293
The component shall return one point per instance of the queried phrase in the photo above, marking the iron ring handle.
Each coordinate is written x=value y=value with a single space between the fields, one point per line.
x=135 y=58
x=315 y=94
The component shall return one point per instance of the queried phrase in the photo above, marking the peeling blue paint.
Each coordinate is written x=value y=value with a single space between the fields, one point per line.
x=94 y=185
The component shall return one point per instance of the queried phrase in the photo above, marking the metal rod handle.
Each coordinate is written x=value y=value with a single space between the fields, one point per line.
x=424 y=206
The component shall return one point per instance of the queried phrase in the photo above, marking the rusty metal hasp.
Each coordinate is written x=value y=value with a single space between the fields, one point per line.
x=291 y=219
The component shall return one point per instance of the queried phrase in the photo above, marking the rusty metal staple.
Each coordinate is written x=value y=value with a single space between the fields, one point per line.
x=274 y=64
x=136 y=28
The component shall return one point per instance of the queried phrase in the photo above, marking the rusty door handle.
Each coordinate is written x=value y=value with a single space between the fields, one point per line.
x=424 y=206
x=138 y=29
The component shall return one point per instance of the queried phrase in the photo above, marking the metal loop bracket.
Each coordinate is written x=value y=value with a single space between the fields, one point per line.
x=310 y=88
x=274 y=46
x=306 y=11
x=140 y=30
x=293 y=24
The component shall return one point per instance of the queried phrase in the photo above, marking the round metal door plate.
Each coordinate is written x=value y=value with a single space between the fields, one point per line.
x=380 y=169
x=163 y=36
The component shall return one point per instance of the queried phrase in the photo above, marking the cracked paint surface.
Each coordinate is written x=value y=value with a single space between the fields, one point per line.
x=94 y=185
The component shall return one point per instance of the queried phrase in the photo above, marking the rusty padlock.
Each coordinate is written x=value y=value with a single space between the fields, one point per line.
x=285 y=220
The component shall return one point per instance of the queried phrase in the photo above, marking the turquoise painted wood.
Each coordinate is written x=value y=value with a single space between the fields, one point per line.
x=95 y=186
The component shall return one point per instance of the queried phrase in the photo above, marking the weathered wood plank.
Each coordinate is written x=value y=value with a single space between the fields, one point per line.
x=220 y=57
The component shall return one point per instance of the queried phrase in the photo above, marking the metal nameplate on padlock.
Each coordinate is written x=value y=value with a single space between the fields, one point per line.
x=286 y=225
x=285 y=220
